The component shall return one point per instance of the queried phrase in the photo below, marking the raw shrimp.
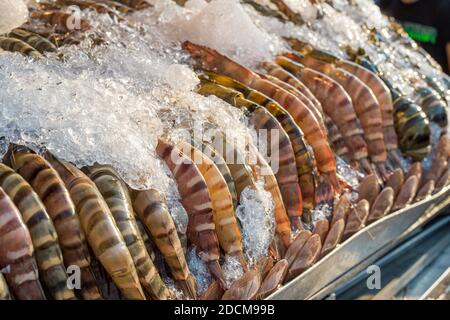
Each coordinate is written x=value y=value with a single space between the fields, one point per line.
x=17 y=253
x=151 y=208
x=43 y=234
x=337 y=105
x=212 y=60
x=17 y=45
x=101 y=231
x=227 y=228
x=197 y=202
x=117 y=198
x=56 y=199
x=263 y=121
x=304 y=159
x=35 y=40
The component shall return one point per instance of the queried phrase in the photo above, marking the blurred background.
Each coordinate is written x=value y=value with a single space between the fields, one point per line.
x=427 y=22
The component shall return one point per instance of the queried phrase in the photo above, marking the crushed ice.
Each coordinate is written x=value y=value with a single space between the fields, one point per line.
x=199 y=269
x=255 y=214
x=13 y=13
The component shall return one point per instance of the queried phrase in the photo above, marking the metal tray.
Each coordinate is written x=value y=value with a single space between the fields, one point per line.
x=357 y=252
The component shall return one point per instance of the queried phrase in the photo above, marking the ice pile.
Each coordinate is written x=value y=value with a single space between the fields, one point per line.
x=13 y=13
x=232 y=269
x=255 y=214
x=220 y=24
x=323 y=211
x=199 y=269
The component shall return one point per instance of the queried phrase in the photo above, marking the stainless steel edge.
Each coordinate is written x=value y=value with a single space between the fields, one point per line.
x=362 y=246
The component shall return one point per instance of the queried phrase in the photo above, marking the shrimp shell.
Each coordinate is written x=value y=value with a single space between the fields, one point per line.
x=16 y=253
x=266 y=124
x=278 y=72
x=36 y=41
x=298 y=94
x=333 y=238
x=197 y=202
x=235 y=160
x=42 y=231
x=154 y=214
x=227 y=228
x=17 y=45
x=118 y=200
x=433 y=105
x=219 y=161
x=378 y=87
x=101 y=231
x=336 y=102
x=304 y=159
x=135 y=4
x=307 y=256
x=213 y=60
x=56 y=199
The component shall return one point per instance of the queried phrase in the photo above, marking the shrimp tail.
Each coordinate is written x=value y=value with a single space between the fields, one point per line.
x=189 y=286
x=216 y=270
x=382 y=170
x=307 y=215
x=297 y=222
x=395 y=158
x=365 y=165
x=325 y=188
x=240 y=257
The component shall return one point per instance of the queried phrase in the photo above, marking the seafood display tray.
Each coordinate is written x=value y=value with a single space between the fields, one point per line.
x=359 y=251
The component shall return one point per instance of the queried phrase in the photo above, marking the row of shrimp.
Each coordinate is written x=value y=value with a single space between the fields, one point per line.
x=319 y=94
x=411 y=113
x=56 y=218
x=54 y=23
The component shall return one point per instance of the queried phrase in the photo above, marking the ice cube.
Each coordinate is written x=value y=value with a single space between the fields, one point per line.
x=13 y=13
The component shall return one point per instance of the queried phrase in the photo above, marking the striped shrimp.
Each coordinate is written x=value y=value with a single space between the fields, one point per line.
x=197 y=202
x=433 y=105
x=263 y=121
x=118 y=200
x=152 y=210
x=305 y=162
x=227 y=228
x=375 y=83
x=365 y=105
x=63 y=21
x=56 y=199
x=297 y=93
x=337 y=105
x=236 y=162
x=16 y=254
x=101 y=231
x=336 y=140
x=219 y=161
x=278 y=72
x=35 y=40
x=42 y=231
x=212 y=60
x=17 y=45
